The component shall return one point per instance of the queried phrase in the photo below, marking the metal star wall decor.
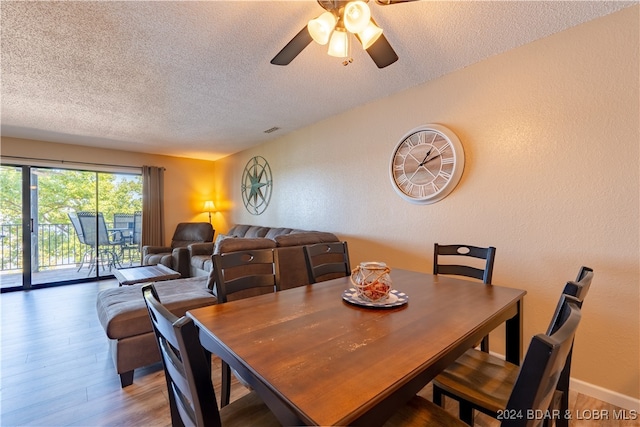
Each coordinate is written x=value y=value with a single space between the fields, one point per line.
x=256 y=185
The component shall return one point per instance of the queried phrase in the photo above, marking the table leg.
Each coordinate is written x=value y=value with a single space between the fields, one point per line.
x=514 y=336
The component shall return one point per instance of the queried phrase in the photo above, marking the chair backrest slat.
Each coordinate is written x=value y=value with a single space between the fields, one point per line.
x=578 y=289
x=455 y=251
x=235 y=272
x=327 y=261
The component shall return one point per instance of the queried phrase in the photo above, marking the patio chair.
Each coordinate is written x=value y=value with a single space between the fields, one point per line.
x=124 y=223
x=88 y=251
x=107 y=245
x=137 y=228
x=131 y=226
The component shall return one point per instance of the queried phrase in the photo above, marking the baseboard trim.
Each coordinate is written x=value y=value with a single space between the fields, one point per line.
x=609 y=396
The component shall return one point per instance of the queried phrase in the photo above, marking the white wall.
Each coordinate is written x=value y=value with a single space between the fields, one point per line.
x=551 y=136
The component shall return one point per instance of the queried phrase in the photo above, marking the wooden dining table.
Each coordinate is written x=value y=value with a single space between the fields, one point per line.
x=316 y=359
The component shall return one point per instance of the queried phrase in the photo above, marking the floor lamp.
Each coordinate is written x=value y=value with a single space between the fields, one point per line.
x=209 y=207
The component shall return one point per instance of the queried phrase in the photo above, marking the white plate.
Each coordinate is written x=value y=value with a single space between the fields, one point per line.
x=394 y=299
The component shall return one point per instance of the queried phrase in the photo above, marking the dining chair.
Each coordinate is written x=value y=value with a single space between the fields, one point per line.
x=534 y=387
x=327 y=261
x=483 y=382
x=579 y=289
x=238 y=275
x=192 y=398
x=460 y=264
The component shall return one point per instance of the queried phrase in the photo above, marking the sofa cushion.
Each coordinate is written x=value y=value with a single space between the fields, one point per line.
x=238 y=244
x=273 y=232
x=238 y=230
x=256 y=231
x=305 y=238
x=123 y=313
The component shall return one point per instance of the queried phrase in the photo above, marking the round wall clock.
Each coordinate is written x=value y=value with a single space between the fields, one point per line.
x=427 y=164
x=256 y=185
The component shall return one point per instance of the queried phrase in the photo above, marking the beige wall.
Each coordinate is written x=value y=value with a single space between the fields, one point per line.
x=188 y=182
x=551 y=137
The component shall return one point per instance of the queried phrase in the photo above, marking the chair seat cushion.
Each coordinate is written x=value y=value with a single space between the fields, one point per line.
x=123 y=313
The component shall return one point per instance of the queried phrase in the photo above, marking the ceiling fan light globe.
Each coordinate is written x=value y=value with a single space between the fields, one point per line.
x=369 y=35
x=339 y=44
x=356 y=16
x=321 y=27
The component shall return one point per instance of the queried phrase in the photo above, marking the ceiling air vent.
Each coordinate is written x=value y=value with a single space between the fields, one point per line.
x=273 y=129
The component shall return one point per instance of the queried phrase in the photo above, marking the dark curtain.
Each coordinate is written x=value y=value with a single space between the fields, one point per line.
x=152 y=206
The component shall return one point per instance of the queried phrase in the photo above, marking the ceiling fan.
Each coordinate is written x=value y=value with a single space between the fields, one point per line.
x=333 y=27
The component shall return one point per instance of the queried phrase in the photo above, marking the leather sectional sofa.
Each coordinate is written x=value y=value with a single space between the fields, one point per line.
x=124 y=316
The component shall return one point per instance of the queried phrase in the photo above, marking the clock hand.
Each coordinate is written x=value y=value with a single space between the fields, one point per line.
x=435 y=157
x=425 y=157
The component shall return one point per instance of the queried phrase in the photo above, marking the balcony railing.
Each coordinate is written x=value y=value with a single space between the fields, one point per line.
x=54 y=245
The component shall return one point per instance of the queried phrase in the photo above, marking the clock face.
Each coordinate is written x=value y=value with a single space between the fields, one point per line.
x=256 y=185
x=427 y=164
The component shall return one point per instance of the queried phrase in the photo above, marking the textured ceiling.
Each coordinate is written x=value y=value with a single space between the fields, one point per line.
x=193 y=79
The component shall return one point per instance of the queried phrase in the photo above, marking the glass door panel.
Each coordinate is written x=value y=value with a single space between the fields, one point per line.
x=11 y=224
x=120 y=208
x=60 y=252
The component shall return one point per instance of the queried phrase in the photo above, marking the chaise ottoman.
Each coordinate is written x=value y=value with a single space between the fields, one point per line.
x=124 y=317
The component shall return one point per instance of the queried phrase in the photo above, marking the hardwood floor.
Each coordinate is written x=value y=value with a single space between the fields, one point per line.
x=56 y=371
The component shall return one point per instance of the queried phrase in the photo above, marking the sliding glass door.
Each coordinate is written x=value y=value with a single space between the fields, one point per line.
x=61 y=226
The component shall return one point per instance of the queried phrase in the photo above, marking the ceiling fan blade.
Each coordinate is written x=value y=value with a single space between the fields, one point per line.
x=293 y=48
x=388 y=2
x=382 y=53
x=327 y=4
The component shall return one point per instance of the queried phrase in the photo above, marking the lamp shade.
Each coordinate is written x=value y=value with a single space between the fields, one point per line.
x=321 y=27
x=339 y=44
x=209 y=206
x=356 y=16
x=369 y=35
